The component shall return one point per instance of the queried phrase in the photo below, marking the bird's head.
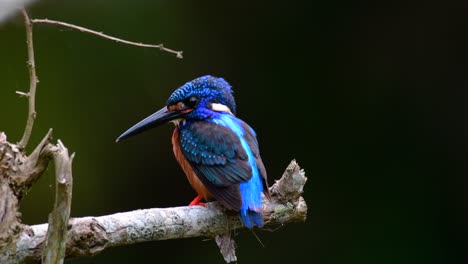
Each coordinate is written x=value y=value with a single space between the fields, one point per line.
x=198 y=99
x=201 y=95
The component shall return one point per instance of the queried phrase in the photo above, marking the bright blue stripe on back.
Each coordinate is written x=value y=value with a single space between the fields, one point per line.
x=251 y=190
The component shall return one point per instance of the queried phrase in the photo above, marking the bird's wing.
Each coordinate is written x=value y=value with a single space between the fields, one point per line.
x=218 y=158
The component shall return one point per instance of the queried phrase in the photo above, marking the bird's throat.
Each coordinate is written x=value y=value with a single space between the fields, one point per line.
x=178 y=121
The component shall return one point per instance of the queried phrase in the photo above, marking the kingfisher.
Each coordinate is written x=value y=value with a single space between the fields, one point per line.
x=217 y=151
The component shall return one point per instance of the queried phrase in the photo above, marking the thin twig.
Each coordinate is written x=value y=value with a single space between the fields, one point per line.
x=32 y=82
x=102 y=35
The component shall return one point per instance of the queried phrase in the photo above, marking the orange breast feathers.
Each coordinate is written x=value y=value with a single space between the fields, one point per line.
x=196 y=184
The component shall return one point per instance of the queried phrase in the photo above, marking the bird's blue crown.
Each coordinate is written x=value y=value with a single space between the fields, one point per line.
x=213 y=89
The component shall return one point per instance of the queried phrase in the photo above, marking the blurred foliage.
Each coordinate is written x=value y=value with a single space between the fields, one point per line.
x=358 y=94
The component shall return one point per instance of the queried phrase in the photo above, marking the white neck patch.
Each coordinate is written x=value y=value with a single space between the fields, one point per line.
x=220 y=108
x=178 y=121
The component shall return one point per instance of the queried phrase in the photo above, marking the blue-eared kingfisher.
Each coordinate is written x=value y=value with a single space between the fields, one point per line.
x=218 y=152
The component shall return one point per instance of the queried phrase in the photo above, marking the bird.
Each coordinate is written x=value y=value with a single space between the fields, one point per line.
x=218 y=152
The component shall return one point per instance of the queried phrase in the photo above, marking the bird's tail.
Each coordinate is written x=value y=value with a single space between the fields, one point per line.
x=251 y=218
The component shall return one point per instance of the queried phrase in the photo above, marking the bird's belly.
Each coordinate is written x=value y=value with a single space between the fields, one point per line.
x=193 y=179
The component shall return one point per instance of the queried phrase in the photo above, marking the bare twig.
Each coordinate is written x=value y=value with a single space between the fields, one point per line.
x=22 y=94
x=32 y=82
x=88 y=236
x=102 y=35
x=54 y=253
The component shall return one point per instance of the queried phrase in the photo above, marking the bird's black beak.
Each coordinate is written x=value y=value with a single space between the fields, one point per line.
x=160 y=117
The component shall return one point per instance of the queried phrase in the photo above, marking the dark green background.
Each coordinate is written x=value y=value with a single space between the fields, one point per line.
x=369 y=99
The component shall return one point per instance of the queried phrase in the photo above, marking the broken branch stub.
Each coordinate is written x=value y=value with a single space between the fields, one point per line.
x=57 y=232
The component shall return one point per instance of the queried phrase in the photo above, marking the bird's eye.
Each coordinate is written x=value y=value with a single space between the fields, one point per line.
x=191 y=101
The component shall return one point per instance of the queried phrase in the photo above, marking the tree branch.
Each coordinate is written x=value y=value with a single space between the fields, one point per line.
x=91 y=235
x=27 y=170
x=102 y=35
x=32 y=82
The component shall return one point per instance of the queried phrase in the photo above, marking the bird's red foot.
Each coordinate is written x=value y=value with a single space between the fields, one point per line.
x=196 y=201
